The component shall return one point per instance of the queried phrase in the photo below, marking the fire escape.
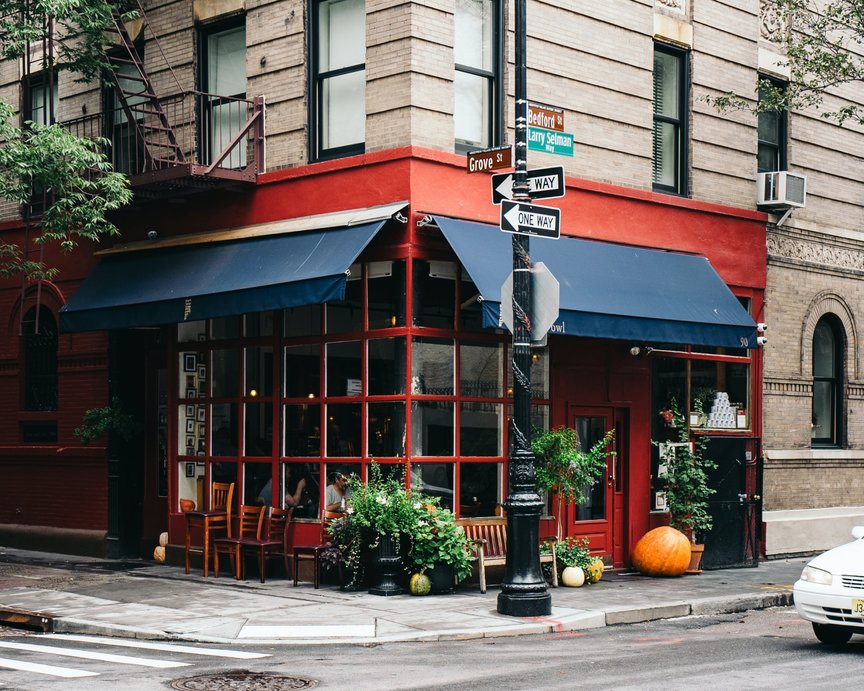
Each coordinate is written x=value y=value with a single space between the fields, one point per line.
x=178 y=143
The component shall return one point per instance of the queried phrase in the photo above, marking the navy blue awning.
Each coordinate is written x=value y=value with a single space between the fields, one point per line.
x=219 y=279
x=611 y=291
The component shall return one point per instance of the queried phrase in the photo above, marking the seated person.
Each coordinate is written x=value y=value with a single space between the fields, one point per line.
x=335 y=493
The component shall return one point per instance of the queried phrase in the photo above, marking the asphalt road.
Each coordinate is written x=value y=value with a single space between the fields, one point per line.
x=771 y=649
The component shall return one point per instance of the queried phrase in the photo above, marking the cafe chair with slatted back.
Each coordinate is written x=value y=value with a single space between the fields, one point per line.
x=214 y=522
x=272 y=543
x=250 y=520
x=313 y=552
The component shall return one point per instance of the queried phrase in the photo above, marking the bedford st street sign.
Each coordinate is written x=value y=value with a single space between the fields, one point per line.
x=490 y=159
x=543 y=183
x=530 y=219
x=547 y=117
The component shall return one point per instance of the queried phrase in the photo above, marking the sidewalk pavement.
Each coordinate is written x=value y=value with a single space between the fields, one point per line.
x=141 y=600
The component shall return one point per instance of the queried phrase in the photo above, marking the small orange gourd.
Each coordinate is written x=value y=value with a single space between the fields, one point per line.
x=663 y=551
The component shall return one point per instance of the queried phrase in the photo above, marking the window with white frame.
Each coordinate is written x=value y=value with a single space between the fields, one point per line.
x=338 y=107
x=224 y=84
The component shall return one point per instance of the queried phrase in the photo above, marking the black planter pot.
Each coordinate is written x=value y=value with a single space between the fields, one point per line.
x=386 y=568
x=442 y=578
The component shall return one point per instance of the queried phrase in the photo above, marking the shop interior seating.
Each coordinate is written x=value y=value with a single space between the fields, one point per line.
x=313 y=552
x=250 y=520
x=213 y=522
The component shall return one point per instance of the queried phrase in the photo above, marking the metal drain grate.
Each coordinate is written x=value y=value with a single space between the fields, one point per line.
x=243 y=681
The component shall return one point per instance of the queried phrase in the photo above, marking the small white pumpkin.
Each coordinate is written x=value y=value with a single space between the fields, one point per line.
x=163 y=539
x=573 y=576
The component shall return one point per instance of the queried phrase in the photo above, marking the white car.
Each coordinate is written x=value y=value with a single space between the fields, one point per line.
x=830 y=592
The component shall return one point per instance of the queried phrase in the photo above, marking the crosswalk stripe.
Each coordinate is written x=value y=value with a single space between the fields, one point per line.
x=91 y=655
x=147 y=645
x=66 y=672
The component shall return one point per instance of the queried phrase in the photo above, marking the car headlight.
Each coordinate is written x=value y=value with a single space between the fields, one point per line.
x=813 y=575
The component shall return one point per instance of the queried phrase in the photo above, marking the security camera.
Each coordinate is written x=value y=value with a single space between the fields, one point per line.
x=635 y=350
x=152 y=235
x=761 y=340
x=761 y=327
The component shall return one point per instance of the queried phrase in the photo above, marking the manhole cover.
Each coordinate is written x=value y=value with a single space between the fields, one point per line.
x=243 y=681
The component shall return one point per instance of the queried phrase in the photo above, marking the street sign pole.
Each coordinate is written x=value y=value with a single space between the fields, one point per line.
x=523 y=591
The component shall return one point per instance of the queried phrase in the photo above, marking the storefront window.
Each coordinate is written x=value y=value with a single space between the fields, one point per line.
x=386 y=294
x=471 y=309
x=343 y=429
x=191 y=331
x=434 y=294
x=479 y=489
x=257 y=483
x=432 y=366
x=432 y=428
x=225 y=327
x=302 y=371
x=347 y=315
x=225 y=372
x=224 y=423
x=191 y=430
x=719 y=395
x=223 y=471
x=386 y=363
x=386 y=429
x=301 y=483
x=302 y=321
x=332 y=498
x=258 y=439
x=259 y=371
x=539 y=373
x=344 y=368
x=258 y=324
x=480 y=429
x=302 y=430
x=481 y=370
x=434 y=479
x=190 y=483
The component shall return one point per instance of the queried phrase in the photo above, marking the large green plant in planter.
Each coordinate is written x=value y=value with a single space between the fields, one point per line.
x=562 y=467
x=686 y=480
x=437 y=539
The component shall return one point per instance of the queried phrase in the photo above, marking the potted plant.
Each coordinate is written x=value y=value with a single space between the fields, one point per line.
x=439 y=547
x=562 y=467
x=686 y=485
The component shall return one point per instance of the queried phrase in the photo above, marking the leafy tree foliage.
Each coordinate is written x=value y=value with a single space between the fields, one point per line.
x=823 y=41
x=74 y=172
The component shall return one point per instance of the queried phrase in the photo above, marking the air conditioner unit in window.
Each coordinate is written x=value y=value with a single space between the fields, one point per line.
x=781 y=190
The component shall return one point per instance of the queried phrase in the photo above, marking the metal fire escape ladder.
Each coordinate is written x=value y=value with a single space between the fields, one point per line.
x=140 y=103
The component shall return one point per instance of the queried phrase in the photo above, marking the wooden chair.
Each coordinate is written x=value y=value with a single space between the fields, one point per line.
x=214 y=521
x=313 y=552
x=488 y=540
x=250 y=520
x=274 y=543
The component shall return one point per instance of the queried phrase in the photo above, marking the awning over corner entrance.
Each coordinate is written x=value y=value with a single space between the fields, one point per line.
x=188 y=282
x=612 y=291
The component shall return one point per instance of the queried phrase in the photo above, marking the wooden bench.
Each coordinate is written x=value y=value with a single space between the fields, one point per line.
x=488 y=539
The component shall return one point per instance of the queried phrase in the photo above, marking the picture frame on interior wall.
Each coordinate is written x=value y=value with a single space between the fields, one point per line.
x=202 y=371
x=191 y=393
x=190 y=411
x=202 y=413
x=190 y=426
x=190 y=362
x=190 y=470
x=190 y=444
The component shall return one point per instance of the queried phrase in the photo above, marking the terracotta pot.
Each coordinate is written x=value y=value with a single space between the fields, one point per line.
x=187 y=505
x=696 y=552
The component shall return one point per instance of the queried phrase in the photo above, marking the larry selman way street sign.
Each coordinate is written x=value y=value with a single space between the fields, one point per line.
x=530 y=219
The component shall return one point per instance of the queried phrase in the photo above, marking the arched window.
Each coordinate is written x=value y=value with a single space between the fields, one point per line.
x=827 y=422
x=40 y=359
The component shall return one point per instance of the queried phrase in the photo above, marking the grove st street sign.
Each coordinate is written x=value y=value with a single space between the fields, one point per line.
x=490 y=159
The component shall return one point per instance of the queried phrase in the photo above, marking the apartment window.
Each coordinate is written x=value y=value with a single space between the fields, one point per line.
x=477 y=107
x=224 y=84
x=669 y=169
x=40 y=98
x=827 y=382
x=338 y=109
x=40 y=359
x=772 y=135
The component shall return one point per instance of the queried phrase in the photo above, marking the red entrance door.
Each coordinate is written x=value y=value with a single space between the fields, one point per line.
x=600 y=517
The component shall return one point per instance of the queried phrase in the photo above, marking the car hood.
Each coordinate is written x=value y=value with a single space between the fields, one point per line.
x=846 y=559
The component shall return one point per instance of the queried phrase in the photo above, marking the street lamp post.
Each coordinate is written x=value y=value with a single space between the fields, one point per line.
x=523 y=592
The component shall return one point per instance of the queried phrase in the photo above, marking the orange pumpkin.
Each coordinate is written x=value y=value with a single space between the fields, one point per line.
x=663 y=551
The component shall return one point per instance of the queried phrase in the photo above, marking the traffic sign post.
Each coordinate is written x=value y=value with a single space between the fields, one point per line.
x=543 y=183
x=545 y=302
x=530 y=219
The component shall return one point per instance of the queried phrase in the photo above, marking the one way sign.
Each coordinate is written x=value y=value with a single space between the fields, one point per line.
x=543 y=183
x=530 y=219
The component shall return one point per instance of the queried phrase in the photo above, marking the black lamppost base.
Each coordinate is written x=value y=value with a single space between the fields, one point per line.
x=525 y=604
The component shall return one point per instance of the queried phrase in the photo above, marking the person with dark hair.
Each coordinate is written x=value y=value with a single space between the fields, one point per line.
x=335 y=494
x=301 y=491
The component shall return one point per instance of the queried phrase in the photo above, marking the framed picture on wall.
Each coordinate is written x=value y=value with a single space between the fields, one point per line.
x=201 y=413
x=190 y=411
x=190 y=470
x=202 y=371
x=190 y=426
x=200 y=430
x=190 y=444
x=191 y=393
x=190 y=362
